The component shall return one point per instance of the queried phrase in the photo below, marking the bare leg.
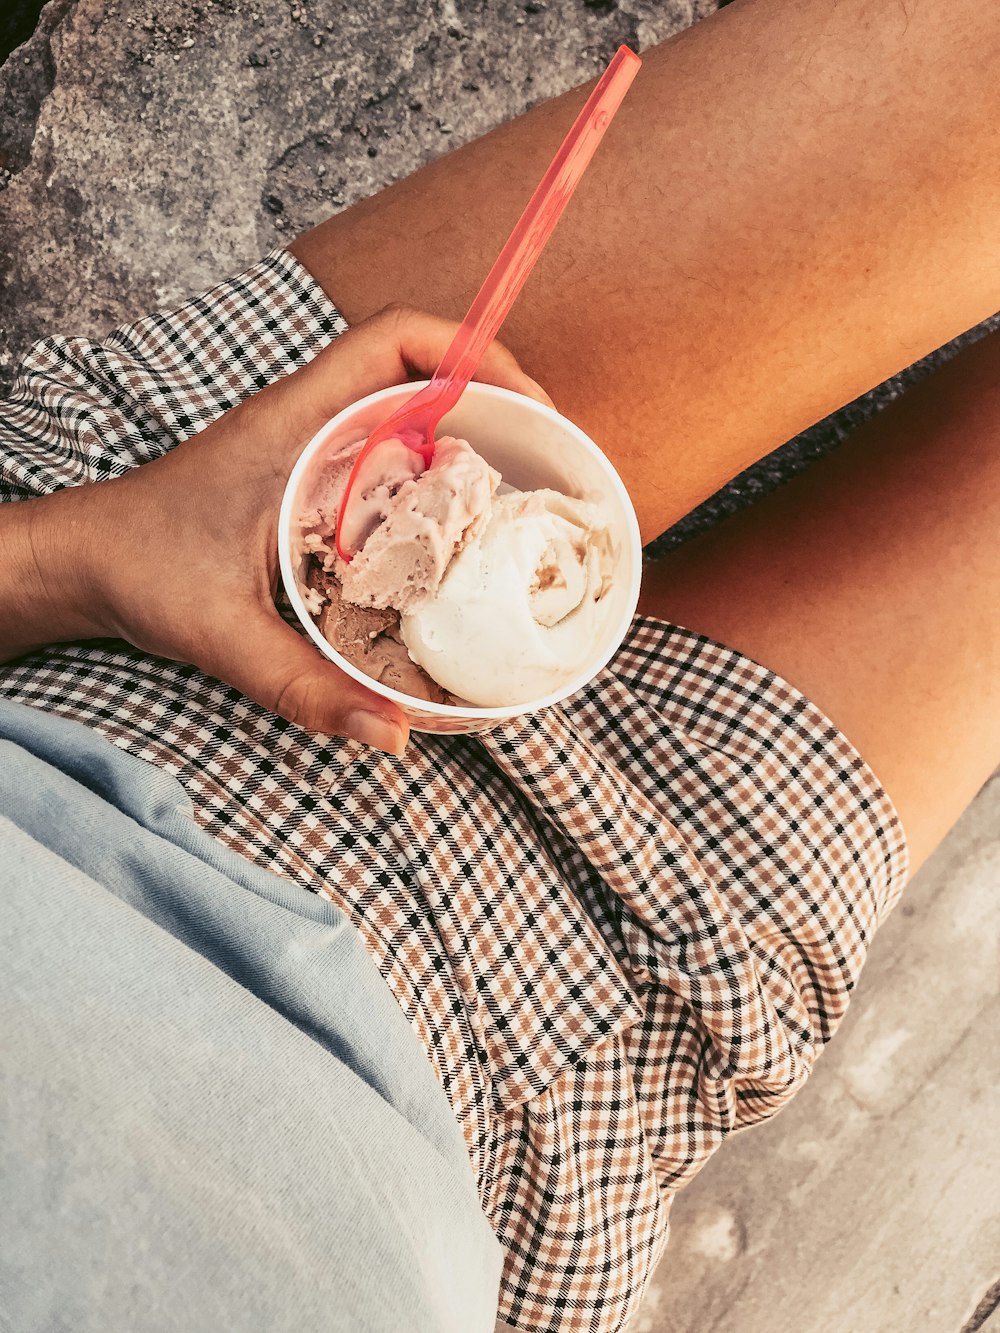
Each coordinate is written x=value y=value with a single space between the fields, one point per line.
x=797 y=199
x=872 y=581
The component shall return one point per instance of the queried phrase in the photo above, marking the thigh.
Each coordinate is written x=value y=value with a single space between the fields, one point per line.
x=872 y=583
x=795 y=200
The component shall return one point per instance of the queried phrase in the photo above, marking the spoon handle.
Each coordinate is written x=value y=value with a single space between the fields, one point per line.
x=415 y=421
x=534 y=227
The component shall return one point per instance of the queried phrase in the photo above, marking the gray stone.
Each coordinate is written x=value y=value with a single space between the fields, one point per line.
x=25 y=83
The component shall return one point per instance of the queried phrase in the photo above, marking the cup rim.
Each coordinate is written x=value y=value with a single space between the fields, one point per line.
x=409 y=701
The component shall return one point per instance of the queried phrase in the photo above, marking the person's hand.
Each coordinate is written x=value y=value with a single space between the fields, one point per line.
x=179 y=556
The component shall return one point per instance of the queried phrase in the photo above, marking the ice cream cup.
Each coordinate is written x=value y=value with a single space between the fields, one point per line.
x=532 y=446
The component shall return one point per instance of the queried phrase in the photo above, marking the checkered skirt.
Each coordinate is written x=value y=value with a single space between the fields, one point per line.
x=621 y=929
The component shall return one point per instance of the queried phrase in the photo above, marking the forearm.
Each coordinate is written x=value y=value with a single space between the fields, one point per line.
x=47 y=582
x=179 y=557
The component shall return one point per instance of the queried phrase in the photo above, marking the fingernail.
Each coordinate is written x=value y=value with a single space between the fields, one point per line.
x=375 y=730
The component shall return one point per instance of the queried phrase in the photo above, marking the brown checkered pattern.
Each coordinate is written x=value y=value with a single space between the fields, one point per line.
x=621 y=929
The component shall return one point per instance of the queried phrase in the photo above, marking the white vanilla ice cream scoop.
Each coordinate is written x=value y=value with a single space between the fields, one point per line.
x=514 y=616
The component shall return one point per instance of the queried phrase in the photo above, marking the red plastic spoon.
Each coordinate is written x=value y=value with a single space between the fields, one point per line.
x=415 y=421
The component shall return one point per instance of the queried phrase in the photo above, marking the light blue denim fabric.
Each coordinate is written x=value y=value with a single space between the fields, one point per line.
x=214 y=1116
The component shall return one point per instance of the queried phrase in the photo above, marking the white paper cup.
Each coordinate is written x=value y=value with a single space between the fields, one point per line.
x=532 y=447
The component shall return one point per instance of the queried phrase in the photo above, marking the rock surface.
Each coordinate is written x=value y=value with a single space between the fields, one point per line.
x=147 y=151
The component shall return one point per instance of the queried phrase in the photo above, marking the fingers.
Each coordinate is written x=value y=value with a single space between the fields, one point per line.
x=423 y=339
x=397 y=343
x=500 y=366
x=269 y=662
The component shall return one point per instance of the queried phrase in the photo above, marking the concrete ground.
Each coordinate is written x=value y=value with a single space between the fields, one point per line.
x=147 y=150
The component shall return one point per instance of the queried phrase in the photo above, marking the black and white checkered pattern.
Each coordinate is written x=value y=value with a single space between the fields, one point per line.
x=621 y=929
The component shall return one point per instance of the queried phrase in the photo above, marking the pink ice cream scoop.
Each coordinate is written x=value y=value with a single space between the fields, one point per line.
x=415 y=520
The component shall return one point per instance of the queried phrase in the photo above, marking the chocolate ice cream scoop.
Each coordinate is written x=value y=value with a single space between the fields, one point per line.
x=369 y=638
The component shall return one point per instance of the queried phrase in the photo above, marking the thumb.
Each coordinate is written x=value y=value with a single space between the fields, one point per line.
x=272 y=664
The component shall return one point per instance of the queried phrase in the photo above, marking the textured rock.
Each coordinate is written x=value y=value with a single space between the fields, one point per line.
x=25 y=83
x=18 y=19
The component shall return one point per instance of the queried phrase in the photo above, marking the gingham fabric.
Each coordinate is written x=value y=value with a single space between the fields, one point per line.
x=622 y=929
